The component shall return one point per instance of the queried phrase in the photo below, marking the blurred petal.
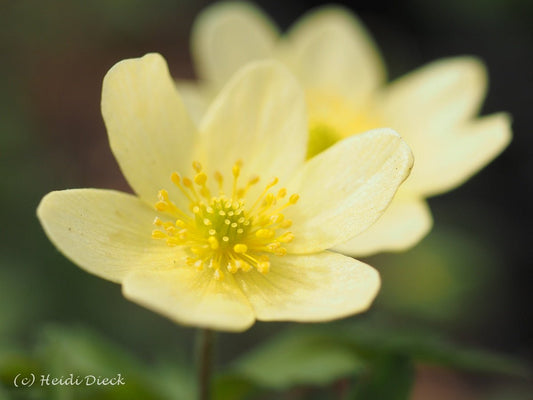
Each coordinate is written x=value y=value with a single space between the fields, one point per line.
x=107 y=233
x=309 y=288
x=404 y=223
x=196 y=99
x=258 y=118
x=191 y=297
x=331 y=50
x=454 y=159
x=346 y=188
x=429 y=101
x=149 y=129
x=229 y=35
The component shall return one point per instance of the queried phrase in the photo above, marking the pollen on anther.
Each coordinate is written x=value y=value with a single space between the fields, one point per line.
x=197 y=166
x=240 y=248
x=273 y=182
x=265 y=233
x=213 y=242
x=199 y=265
x=286 y=224
x=263 y=267
x=176 y=179
x=219 y=178
x=161 y=206
x=200 y=178
x=187 y=182
x=232 y=267
x=218 y=275
x=236 y=170
x=158 y=234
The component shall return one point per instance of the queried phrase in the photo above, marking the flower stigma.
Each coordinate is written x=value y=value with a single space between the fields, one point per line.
x=223 y=232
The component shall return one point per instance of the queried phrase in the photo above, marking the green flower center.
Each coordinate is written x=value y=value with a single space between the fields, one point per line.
x=333 y=118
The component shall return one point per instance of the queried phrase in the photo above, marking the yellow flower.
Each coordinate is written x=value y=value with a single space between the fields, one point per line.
x=433 y=108
x=229 y=223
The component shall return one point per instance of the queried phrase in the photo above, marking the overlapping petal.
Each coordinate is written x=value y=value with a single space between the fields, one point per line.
x=191 y=297
x=307 y=288
x=466 y=150
x=196 y=98
x=105 y=232
x=229 y=35
x=150 y=131
x=258 y=118
x=329 y=49
x=431 y=100
x=405 y=222
x=346 y=188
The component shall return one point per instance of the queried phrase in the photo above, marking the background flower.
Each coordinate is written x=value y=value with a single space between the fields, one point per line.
x=434 y=108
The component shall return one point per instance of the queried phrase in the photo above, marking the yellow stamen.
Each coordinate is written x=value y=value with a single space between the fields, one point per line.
x=197 y=166
x=200 y=179
x=220 y=232
x=158 y=234
x=218 y=275
x=240 y=248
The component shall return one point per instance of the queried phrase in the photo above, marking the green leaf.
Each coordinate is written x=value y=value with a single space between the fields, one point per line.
x=232 y=387
x=82 y=352
x=174 y=381
x=374 y=337
x=389 y=378
x=298 y=357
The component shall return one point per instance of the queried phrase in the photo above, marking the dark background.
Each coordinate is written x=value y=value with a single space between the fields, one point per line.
x=471 y=277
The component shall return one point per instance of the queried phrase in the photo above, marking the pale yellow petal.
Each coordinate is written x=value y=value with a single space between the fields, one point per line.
x=330 y=50
x=258 y=118
x=311 y=288
x=229 y=35
x=196 y=98
x=429 y=101
x=405 y=222
x=344 y=189
x=455 y=158
x=191 y=297
x=149 y=129
x=106 y=233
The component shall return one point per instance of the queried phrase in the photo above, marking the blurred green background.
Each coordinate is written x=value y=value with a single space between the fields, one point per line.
x=470 y=279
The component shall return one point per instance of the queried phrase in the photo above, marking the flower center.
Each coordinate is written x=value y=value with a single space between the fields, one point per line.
x=333 y=117
x=222 y=232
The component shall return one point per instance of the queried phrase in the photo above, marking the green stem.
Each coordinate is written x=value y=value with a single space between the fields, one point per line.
x=205 y=362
